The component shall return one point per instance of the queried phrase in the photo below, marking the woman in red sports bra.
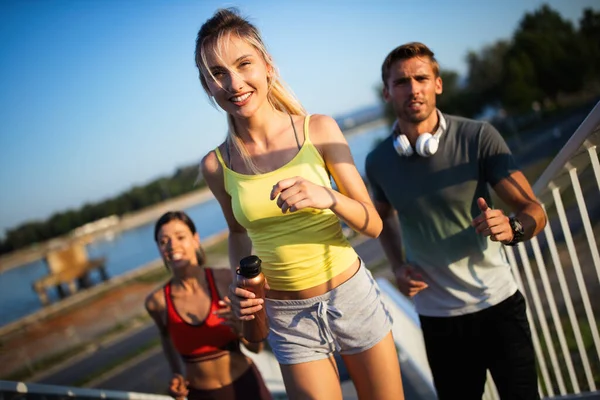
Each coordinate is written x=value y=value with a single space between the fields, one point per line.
x=196 y=326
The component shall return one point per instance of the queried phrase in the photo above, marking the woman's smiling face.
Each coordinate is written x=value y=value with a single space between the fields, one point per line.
x=237 y=76
x=177 y=244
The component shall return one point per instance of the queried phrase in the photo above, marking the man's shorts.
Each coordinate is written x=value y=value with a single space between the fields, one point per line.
x=349 y=319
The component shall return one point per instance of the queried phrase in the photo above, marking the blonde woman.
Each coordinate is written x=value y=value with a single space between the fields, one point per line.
x=271 y=177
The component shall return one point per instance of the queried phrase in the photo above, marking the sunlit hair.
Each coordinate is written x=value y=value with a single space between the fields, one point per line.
x=183 y=217
x=405 y=52
x=214 y=34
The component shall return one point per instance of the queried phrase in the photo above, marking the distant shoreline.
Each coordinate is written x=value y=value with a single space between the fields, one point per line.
x=128 y=221
x=357 y=130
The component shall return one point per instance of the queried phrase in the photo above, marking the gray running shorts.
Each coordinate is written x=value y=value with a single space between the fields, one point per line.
x=349 y=319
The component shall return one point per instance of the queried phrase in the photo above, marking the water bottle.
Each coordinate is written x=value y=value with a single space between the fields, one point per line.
x=250 y=277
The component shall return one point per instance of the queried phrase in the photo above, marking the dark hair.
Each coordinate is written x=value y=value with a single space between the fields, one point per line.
x=183 y=217
x=405 y=52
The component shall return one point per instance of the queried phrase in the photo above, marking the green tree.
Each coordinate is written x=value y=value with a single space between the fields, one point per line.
x=541 y=59
x=518 y=92
x=63 y=222
x=456 y=98
x=24 y=234
x=485 y=74
x=589 y=31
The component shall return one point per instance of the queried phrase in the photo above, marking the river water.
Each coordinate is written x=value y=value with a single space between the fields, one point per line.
x=134 y=248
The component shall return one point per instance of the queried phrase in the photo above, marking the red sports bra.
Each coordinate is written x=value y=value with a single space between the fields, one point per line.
x=208 y=337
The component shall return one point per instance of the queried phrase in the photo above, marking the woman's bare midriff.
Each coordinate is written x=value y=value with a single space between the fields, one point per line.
x=315 y=290
x=217 y=372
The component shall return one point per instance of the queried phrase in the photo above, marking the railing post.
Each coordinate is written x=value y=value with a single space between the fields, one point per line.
x=553 y=309
x=534 y=337
x=576 y=269
x=595 y=163
x=535 y=296
x=585 y=219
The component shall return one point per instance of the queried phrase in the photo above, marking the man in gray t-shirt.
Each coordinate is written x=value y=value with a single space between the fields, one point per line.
x=446 y=251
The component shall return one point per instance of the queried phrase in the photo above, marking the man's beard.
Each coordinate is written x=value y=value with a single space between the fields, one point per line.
x=412 y=117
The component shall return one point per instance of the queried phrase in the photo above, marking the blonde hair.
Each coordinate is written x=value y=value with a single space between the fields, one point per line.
x=214 y=32
x=405 y=52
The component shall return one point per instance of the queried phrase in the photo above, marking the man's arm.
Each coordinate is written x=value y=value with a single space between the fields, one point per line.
x=515 y=191
x=517 y=194
x=409 y=281
x=390 y=238
x=511 y=186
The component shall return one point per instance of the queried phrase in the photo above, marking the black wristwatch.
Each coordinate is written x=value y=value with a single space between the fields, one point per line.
x=518 y=231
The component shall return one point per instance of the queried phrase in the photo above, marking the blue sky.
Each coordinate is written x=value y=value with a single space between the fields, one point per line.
x=99 y=95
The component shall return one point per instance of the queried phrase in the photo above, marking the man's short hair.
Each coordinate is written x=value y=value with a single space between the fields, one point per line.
x=405 y=52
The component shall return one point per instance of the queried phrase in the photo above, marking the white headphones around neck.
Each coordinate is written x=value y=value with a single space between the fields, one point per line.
x=427 y=144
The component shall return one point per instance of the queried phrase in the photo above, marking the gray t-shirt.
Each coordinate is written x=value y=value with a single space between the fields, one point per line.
x=436 y=200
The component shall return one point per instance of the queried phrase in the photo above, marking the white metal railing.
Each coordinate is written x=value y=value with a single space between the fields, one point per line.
x=21 y=390
x=568 y=243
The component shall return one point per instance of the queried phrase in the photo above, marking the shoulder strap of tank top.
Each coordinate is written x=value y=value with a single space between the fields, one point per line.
x=214 y=293
x=167 y=292
x=220 y=157
x=228 y=150
x=168 y=302
x=295 y=133
x=306 y=134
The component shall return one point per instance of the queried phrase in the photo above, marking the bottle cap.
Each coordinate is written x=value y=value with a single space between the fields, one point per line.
x=250 y=266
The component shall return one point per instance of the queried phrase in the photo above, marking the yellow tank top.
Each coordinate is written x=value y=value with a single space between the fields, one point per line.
x=300 y=249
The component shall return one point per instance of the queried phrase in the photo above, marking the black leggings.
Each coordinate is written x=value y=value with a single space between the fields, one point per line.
x=249 y=385
x=461 y=349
